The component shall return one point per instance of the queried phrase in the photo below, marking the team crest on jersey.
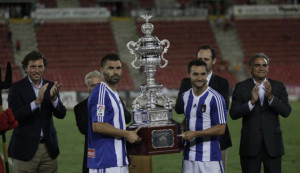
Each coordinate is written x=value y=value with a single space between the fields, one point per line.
x=203 y=108
x=100 y=110
x=91 y=152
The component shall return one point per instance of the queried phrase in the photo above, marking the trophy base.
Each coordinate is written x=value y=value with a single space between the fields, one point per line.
x=156 y=140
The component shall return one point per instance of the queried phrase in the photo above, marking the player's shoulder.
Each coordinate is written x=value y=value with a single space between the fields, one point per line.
x=188 y=92
x=214 y=93
x=101 y=87
x=95 y=92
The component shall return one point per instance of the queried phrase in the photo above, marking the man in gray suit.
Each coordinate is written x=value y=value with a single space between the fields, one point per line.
x=259 y=101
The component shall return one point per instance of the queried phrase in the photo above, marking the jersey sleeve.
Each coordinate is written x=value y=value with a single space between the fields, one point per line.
x=92 y=104
x=96 y=104
x=218 y=110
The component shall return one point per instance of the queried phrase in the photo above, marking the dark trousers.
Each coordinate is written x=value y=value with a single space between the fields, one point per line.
x=253 y=164
x=85 y=169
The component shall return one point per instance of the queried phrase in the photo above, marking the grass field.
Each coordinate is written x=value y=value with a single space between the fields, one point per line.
x=71 y=146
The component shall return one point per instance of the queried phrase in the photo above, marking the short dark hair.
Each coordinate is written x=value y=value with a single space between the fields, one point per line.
x=259 y=55
x=33 y=56
x=109 y=57
x=205 y=47
x=196 y=62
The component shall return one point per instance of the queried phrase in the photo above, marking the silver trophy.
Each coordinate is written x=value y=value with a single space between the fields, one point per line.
x=152 y=106
x=152 y=109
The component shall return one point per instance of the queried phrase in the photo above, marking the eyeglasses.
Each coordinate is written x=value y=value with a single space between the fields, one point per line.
x=260 y=65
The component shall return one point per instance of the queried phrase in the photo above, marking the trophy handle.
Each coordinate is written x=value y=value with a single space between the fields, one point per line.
x=167 y=43
x=166 y=99
x=133 y=45
x=135 y=103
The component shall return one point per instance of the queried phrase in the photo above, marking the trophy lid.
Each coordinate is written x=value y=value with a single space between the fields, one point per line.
x=147 y=28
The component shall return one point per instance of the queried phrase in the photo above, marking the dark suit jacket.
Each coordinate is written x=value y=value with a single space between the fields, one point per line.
x=220 y=85
x=26 y=137
x=262 y=123
x=81 y=115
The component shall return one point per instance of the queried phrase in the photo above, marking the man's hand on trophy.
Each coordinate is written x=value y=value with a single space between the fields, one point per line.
x=132 y=136
x=188 y=135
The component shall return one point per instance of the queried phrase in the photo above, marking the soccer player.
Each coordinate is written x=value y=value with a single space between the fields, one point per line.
x=106 y=124
x=92 y=79
x=208 y=54
x=205 y=113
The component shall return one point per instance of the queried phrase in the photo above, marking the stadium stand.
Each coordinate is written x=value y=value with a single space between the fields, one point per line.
x=240 y=2
x=185 y=38
x=48 y=3
x=87 y=3
x=278 y=39
x=75 y=48
x=6 y=54
x=186 y=2
x=148 y=4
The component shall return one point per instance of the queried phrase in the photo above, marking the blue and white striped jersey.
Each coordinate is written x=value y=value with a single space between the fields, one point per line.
x=203 y=112
x=104 y=105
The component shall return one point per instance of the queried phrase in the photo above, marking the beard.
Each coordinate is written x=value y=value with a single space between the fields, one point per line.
x=114 y=79
x=201 y=86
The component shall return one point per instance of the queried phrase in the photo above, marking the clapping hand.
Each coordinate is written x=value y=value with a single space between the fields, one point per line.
x=254 y=94
x=268 y=89
x=41 y=94
x=55 y=90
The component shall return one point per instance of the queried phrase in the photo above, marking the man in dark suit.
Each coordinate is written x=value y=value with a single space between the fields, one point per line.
x=259 y=101
x=34 y=101
x=208 y=55
x=92 y=79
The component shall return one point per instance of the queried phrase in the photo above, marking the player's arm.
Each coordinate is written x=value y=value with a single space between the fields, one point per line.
x=109 y=130
x=216 y=130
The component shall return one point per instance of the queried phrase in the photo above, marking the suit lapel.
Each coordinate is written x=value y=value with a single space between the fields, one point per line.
x=248 y=89
x=251 y=84
x=28 y=89
x=212 y=82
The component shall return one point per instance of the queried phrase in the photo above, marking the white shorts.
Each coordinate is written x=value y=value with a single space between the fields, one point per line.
x=122 y=169
x=202 y=167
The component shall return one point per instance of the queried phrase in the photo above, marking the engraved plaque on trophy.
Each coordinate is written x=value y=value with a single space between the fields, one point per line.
x=152 y=109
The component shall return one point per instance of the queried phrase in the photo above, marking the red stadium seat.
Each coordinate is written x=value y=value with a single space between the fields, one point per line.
x=48 y=3
x=87 y=3
x=278 y=39
x=73 y=49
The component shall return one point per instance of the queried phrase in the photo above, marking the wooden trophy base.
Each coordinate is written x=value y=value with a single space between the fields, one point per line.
x=156 y=140
x=140 y=164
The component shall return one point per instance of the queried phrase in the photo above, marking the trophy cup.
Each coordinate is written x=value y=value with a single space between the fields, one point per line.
x=152 y=109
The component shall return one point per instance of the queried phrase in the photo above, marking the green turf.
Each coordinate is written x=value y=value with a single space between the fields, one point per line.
x=71 y=146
